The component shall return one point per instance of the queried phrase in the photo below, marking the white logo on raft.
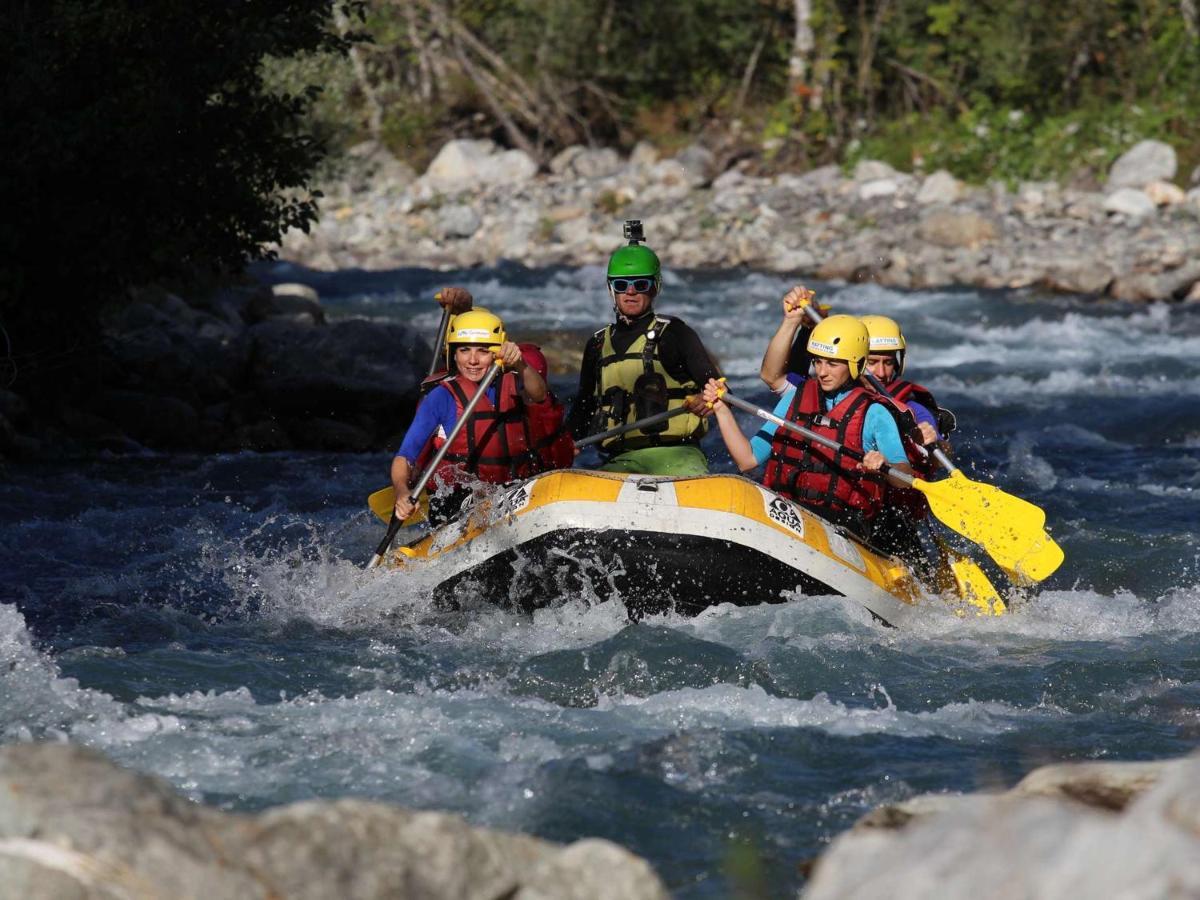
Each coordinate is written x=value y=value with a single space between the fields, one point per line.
x=511 y=502
x=786 y=514
x=822 y=347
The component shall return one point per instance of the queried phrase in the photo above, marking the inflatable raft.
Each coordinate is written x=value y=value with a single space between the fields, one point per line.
x=656 y=543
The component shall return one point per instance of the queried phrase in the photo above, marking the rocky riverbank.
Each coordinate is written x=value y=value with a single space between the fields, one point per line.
x=1137 y=238
x=248 y=368
x=72 y=824
x=1096 y=829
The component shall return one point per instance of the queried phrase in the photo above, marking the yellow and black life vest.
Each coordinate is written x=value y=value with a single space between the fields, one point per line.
x=634 y=385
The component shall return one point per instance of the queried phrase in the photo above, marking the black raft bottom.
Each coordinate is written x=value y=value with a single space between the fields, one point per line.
x=650 y=572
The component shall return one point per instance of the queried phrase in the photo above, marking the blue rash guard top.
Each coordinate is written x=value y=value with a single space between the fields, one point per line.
x=879 y=428
x=436 y=409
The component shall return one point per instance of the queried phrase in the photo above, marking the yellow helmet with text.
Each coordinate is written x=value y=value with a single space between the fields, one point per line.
x=476 y=326
x=886 y=337
x=841 y=337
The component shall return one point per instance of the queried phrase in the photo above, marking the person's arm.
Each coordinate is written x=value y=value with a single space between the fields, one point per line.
x=400 y=475
x=533 y=386
x=735 y=441
x=926 y=423
x=764 y=438
x=881 y=441
x=776 y=359
x=583 y=407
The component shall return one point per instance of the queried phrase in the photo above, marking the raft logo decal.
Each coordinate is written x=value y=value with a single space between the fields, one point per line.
x=822 y=347
x=845 y=549
x=511 y=502
x=786 y=514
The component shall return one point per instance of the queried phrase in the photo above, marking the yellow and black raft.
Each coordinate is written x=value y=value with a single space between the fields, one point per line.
x=662 y=544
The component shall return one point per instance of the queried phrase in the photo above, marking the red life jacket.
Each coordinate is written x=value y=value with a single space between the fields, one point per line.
x=551 y=443
x=827 y=481
x=495 y=445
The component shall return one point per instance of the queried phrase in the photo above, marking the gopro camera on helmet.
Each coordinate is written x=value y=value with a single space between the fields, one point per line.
x=633 y=231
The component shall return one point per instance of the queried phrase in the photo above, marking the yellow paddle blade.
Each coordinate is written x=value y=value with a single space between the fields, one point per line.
x=383 y=501
x=961 y=575
x=974 y=586
x=1007 y=527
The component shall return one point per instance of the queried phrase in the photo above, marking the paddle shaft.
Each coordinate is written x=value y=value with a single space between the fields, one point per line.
x=811 y=435
x=936 y=452
x=484 y=384
x=396 y=521
x=439 y=344
x=631 y=426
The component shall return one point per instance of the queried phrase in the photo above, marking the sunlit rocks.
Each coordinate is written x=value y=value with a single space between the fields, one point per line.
x=1145 y=162
x=72 y=824
x=1073 y=830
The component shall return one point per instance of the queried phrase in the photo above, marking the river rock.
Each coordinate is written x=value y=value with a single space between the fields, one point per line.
x=940 y=187
x=596 y=163
x=157 y=421
x=878 y=187
x=1078 y=275
x=956 y=228
x=1129 y=202
x=349 y=368
x=873 y=170
x=1090 y=830
x=1145 y=162
x=456 y=221
x=690 y=168
x=371 y=166
x=1171 y=284
x=1164 y=193
x=643 y=155
x=464 y=164
x=297 y=302
x=74 y=825
x=699 y=162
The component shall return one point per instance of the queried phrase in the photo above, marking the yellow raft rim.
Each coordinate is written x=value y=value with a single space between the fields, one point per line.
x=659 y=544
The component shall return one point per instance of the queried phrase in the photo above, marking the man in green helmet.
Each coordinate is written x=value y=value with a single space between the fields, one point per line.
x=643 y=364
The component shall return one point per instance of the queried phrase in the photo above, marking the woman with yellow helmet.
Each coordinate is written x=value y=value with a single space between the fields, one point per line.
x=831 y=403
x=495 y=446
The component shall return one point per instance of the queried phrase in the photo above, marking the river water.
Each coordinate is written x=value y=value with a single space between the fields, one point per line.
x=208 y=619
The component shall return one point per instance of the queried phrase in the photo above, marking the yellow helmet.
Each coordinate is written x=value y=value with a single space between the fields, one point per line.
x=886 y=337
x=841 y=337
x=476 y=326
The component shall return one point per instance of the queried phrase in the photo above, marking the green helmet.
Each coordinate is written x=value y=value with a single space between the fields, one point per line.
x=634 y=260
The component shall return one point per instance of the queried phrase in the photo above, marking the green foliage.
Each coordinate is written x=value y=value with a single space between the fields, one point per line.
x=990 y=88
x=143 y=144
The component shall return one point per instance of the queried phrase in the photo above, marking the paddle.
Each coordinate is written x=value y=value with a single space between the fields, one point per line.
x=1008 y=528
x=970 y=580
x=631 y=426
x=383 y=501
x=439 y=344
x=415 y=493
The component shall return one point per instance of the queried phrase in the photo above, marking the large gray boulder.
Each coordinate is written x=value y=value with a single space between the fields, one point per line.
x=352 y=366
x=1085 y=830
x=469 y=164
x=940 y=187
x=74 y=825
x=1145 y=162
x=956 y=228
x=1129 y=202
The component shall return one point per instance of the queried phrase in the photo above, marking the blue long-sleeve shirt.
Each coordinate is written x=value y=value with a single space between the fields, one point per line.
x=436 y=410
